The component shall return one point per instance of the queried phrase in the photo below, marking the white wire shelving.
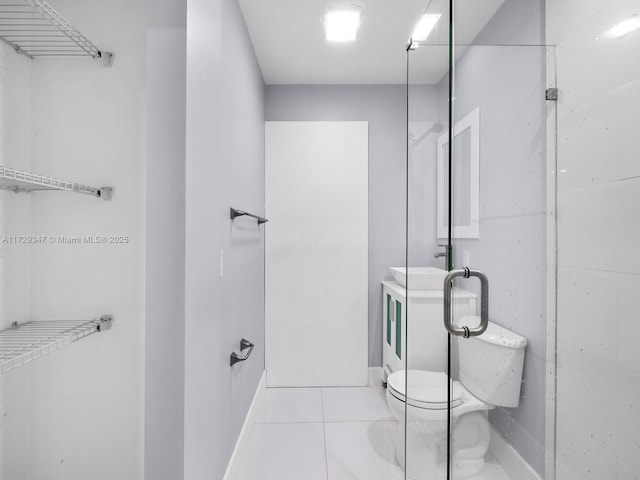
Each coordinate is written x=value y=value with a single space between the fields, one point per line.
x=19 y=181
x=28 y=341
x=35 y=29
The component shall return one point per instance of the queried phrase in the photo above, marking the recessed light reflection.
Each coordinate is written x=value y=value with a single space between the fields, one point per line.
x=342 y=20
x=425 y=26
x=342 y=26
x=625 y=27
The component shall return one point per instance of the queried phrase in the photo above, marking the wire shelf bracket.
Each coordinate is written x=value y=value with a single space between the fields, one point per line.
x=33 y=28
x=23 y=343
x=19 y=181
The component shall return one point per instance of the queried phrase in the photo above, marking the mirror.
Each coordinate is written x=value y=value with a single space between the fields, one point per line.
x=466 y=178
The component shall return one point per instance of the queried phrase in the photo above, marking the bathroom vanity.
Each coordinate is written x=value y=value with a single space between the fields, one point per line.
x=418 y=314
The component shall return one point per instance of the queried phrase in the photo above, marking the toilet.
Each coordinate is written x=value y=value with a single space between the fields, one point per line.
x=490 y=375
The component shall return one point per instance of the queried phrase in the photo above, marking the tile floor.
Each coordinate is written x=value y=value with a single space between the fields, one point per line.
x=326 y=434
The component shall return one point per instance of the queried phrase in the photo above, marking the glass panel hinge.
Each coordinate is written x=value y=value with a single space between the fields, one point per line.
x=552 y=94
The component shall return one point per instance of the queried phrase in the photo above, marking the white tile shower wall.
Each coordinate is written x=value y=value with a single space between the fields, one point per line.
x=598 y=373
x=628 y=324
x=563 y=18
x=628 y=126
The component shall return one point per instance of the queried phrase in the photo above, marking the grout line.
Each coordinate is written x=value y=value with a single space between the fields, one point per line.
x=374 y=420
x=324 y=437
x=378 y=420
x=310 y=422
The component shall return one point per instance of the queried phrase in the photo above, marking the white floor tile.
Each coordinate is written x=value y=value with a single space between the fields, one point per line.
x=492 y=471
x=362 y=450
x=355 y=404
x=292 y=405
x=357 y=440
x=285 y=452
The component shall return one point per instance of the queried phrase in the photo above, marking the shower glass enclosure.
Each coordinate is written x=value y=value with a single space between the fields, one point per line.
x=495 y=221
x=523 y=167
x=477 y=191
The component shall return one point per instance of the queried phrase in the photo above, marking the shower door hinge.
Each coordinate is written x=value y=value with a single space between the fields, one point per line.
x=552 y=94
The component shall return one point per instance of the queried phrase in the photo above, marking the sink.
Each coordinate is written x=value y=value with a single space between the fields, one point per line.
x=420 y=278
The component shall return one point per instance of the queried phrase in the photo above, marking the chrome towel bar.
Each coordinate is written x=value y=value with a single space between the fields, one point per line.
x=233 y=213
x=236 y=357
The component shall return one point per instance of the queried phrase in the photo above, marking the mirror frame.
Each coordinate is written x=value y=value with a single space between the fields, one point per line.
x=472 y=230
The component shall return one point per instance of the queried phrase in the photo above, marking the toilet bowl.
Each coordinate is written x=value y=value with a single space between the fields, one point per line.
x=426 y=429
x=490 y=375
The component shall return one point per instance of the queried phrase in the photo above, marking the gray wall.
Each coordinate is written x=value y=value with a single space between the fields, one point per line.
x=426 y=124
x=508 y=84
x=384 y=107
x=241 y=180
x=165 y=251
x=225 y=168
x=205 y=154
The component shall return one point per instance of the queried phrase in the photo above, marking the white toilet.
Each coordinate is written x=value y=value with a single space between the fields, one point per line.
x=490 y=372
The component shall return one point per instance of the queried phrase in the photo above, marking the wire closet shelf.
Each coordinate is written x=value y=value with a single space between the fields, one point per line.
x=19 y=181
x=25 y=342
x=35 y=29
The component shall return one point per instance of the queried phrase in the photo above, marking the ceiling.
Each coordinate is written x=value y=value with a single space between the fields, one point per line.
x=288 y=39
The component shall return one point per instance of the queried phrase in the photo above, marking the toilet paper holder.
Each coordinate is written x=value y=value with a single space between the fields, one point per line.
x=236 y=357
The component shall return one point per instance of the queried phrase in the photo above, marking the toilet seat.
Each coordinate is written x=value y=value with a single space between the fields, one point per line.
x=427 y=390
x=428 y=394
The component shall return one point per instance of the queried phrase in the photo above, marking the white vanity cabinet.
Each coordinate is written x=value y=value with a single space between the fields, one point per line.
x=418 y=316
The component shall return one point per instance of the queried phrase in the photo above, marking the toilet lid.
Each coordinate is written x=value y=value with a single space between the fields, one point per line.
x=426 y=389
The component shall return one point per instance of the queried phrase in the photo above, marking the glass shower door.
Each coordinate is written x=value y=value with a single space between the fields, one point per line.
x=422 y=454
x=494 y=177
x=477 y=200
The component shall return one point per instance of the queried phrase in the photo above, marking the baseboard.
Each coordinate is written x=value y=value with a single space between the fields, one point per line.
x=375 y=376
x=509 y=459
x=233 y=468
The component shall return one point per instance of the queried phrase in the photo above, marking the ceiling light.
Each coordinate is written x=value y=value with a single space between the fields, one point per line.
x=425 y=26
x=342 y=20
x=625 y=27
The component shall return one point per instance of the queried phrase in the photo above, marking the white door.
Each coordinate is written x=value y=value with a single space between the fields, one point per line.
x=316 y=253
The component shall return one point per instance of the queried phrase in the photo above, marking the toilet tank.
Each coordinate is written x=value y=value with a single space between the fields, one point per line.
x=491 y=364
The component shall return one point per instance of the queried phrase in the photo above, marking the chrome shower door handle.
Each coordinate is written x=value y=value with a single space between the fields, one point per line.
x=465 y=331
